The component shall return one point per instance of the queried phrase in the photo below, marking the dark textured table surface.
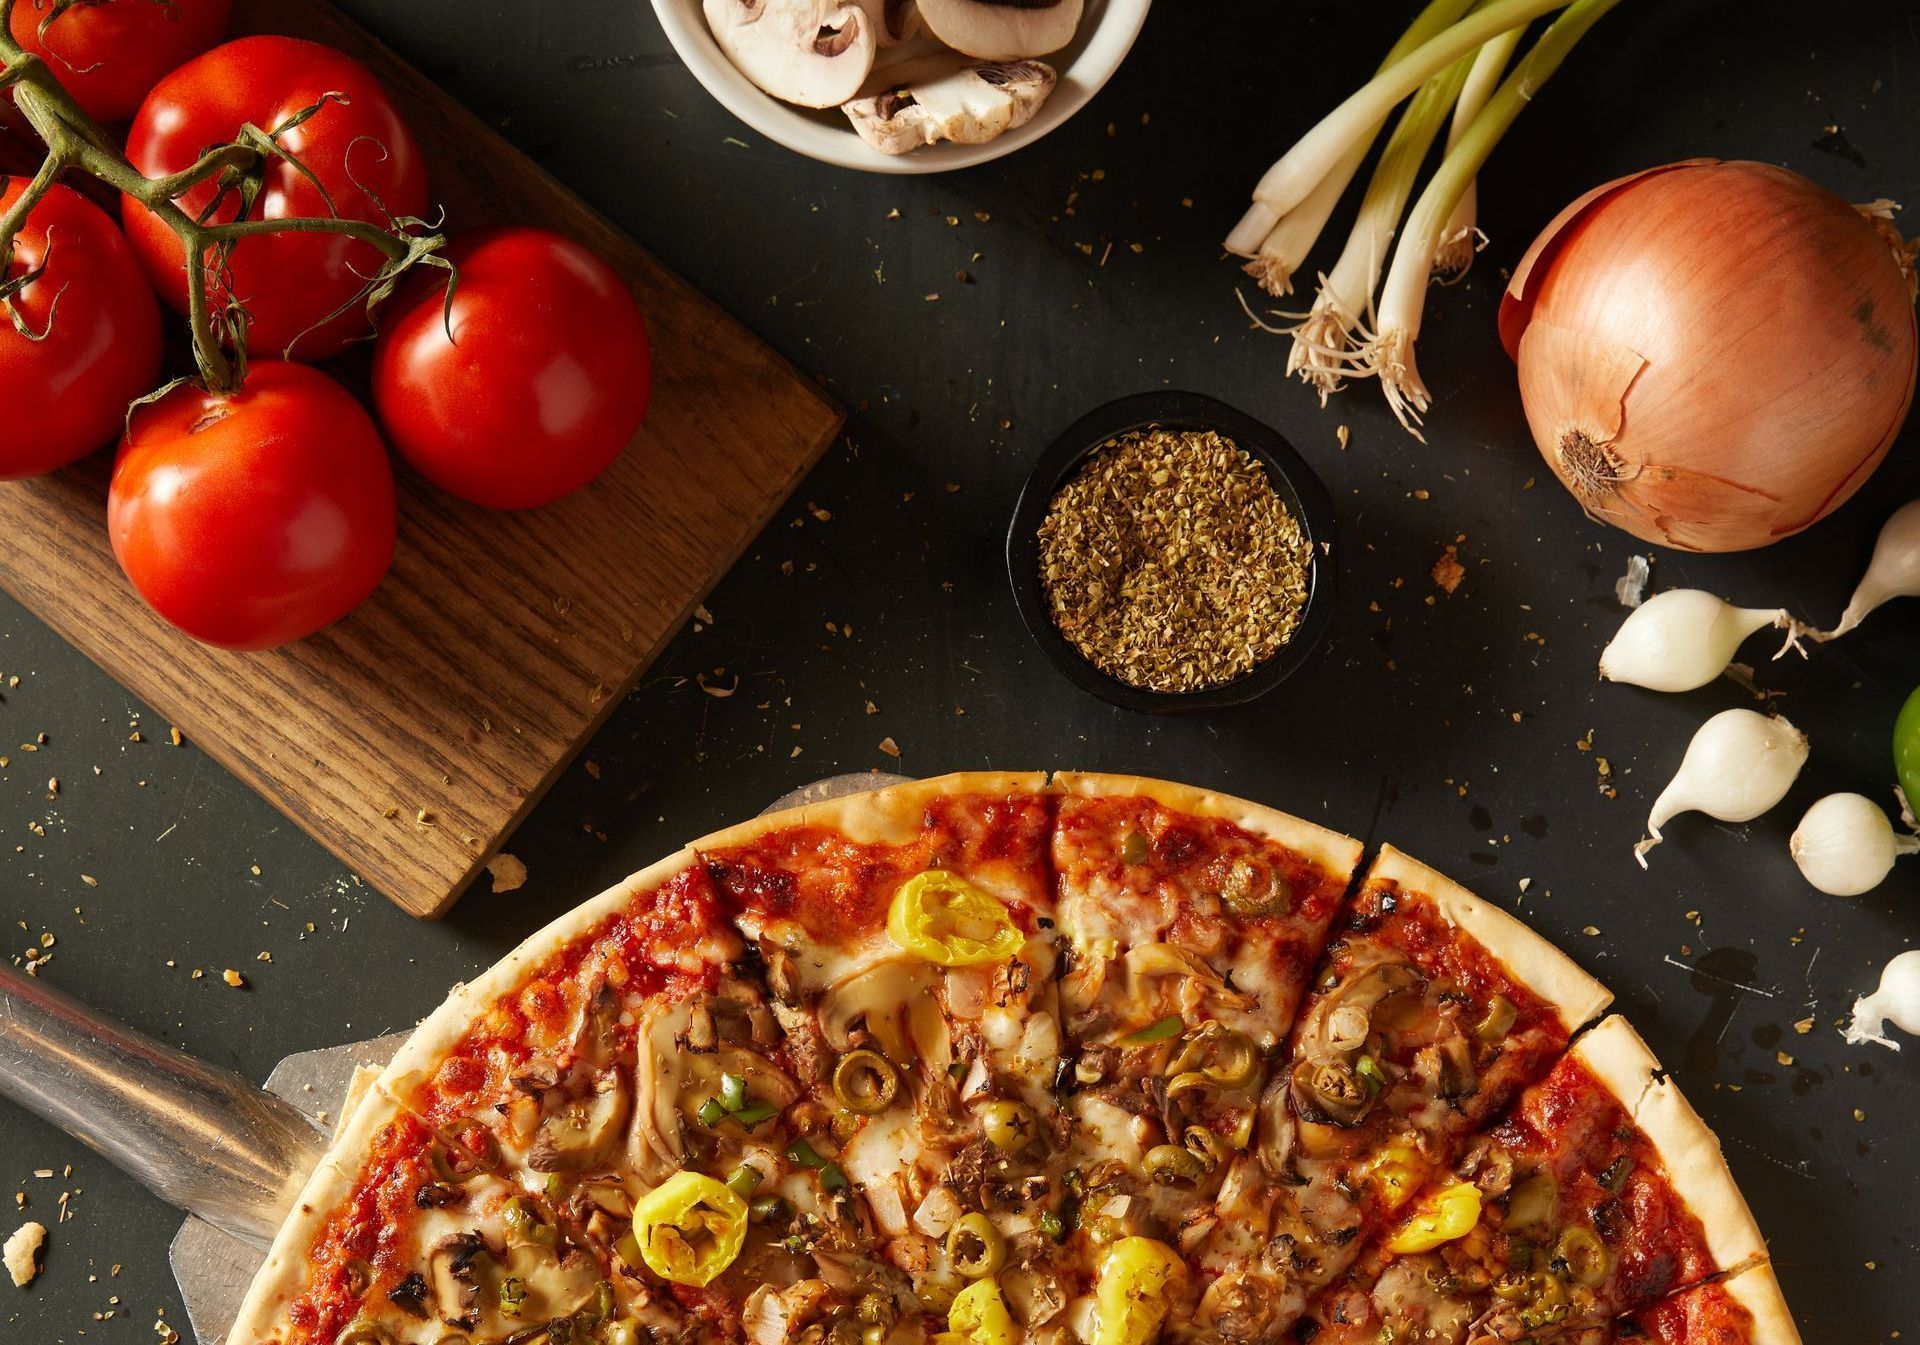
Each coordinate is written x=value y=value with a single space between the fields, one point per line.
x=1449 y=724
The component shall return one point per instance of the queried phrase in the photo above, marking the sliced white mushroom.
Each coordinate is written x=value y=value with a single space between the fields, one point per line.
x=949 y=98
x=1002 y=30
x=816 y=53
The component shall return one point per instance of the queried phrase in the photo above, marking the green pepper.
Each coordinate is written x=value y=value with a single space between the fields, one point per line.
x=733 y=1092
x=805 y=1155
x=1166 y=1029
x=744 y=1180
x=1370 y=1073
x=1906 y=748
x=711 y=1113
x=754 y=1113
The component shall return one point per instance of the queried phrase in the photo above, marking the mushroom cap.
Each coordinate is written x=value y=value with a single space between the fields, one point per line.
x=1002 y=30
x=816 y=53
x=949 y=97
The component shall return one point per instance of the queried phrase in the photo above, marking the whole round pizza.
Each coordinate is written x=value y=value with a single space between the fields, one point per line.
x=998 y=1058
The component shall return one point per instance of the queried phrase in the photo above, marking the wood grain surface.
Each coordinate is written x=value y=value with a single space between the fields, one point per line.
x=413 y=736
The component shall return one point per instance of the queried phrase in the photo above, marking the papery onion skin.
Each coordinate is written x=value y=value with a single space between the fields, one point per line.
x=1713 y=356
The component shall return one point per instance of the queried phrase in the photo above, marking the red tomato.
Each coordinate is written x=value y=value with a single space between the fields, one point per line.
x=286 y=282
x=108 y=55
x=252 y=519
x=67 y=393
x=545 y=380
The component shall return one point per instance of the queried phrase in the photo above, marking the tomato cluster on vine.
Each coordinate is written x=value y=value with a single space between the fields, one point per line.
x=273 y=193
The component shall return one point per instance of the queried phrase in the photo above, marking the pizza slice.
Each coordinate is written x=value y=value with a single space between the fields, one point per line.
x=1430 y=1011
x=910 y=950
x=1599 y=1195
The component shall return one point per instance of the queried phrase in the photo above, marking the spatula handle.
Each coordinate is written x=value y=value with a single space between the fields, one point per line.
x=201 y=1138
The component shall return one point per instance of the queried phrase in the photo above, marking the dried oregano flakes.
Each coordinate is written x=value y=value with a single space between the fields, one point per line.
x=1170 y=563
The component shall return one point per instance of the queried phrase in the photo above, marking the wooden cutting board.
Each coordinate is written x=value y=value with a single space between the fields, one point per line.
x=413 y=736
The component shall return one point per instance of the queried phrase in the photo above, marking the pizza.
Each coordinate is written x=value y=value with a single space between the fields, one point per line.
x=999 y=1059
x=1599 y=1195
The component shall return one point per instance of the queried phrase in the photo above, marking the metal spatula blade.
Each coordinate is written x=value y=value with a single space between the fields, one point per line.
x=202 y=1138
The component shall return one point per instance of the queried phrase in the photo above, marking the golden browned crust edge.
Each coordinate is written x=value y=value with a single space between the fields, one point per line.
x=887 y=816
x=1532 y=960
x=1696 y=1169
x=1333 y=851
x=442 y=1028
x=283 y=1275
x=1757 y=1289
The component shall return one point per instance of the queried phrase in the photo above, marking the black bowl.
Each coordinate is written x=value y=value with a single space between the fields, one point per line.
x=1292 y=479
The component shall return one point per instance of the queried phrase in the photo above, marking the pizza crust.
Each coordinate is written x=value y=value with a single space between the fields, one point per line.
x=1533 y=961
x=1696 y=1170
x=283 y=1276
x=1330 y=849
x=1757 y=1290
x=442 y=1029
x=889 y=816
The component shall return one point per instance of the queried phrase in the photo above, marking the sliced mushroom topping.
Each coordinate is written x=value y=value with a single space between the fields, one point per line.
x=1238 y=1307
x=893 y=1002
x=1329 y=1093
x=1445 y=1068
x=655 y=1146
x=949 y=97
x=1002 y=30
x=1340 y=1023
x=816 y=53
x=450 y=1268
x=583 y=1132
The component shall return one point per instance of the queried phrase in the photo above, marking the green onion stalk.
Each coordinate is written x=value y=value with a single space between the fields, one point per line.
x=1388 y=353
x=1276 y=244
x=1463 y=238
x=1293 y=176
x=76 y=143
x=1322 y=340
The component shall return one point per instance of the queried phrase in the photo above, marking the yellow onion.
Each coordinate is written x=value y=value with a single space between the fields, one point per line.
x=1713 y=355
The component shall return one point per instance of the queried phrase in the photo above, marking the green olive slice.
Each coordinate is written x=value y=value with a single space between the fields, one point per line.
x=865 y=1081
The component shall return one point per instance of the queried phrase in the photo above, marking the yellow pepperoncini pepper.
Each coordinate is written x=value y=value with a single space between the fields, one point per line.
x=1397 y=1174
x=1443 y=1215
x=979 y=1315
x=1137 y=1278
x=690 y=1227
x=945 y=919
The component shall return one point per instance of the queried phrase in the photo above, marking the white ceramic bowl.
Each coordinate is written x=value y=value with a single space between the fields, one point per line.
x=1106 y=34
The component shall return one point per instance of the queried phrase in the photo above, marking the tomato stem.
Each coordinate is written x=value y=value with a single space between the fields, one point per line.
x=75 y=141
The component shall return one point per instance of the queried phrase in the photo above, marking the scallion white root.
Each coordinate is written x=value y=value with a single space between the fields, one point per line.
x=1462 y=239
x=1389 y=356
x=1284 y=249
x=1321 y=342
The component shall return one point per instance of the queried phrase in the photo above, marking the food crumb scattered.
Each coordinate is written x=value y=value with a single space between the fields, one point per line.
x=234 y=979
x=509 y=872
x=21 y=1254
x=889 y=746
x=1448 y=571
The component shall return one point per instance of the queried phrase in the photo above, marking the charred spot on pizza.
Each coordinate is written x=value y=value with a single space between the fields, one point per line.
x=438 y=1195
x=410 y=1295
